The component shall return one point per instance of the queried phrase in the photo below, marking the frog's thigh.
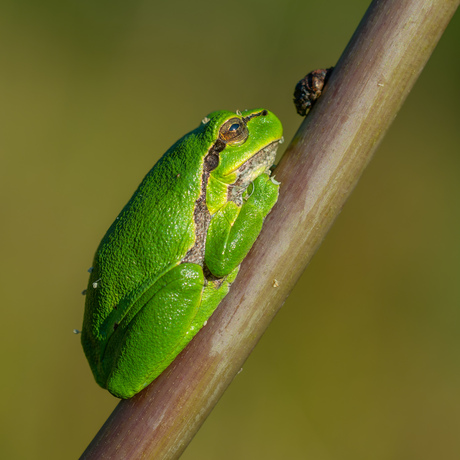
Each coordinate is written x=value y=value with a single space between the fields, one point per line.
x=159 y=331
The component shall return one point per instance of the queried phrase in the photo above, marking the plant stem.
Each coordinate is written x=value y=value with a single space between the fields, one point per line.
x=318 y=172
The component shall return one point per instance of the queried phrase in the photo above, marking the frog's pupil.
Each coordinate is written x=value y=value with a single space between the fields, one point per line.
x=234 y=127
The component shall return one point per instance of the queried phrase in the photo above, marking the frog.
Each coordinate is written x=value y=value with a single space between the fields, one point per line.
x=172 y=253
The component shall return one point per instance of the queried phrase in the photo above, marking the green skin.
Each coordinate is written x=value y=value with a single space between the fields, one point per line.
x=169 y=258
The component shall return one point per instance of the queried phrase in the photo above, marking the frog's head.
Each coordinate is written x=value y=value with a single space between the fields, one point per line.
x=244 y=148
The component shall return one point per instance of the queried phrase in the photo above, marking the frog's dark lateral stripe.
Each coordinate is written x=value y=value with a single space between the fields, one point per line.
x=201 y=215
x=258 y=114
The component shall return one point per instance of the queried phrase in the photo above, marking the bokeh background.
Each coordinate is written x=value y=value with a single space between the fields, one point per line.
x=362 y=362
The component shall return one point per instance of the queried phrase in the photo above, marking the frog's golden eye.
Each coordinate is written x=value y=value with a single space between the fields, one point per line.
x=234 y=131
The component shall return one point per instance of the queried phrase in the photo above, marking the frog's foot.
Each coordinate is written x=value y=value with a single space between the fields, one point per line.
x=213 y=293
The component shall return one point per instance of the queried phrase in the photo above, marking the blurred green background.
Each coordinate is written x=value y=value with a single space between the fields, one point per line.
x=362 y=362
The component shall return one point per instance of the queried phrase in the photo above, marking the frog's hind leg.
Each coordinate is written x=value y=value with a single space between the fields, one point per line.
x=142 y=347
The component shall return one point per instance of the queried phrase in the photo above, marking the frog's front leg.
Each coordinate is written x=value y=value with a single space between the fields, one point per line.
x=233 y=229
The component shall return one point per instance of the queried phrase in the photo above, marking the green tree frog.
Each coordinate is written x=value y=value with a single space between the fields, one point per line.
x=172 y=253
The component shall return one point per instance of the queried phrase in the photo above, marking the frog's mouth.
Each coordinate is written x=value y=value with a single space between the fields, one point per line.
x=256 y=165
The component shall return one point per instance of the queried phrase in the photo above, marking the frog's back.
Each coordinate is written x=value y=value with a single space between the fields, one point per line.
x=151 y=234
x=155 y=228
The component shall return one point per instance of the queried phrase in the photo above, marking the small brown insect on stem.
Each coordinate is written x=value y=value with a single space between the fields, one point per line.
x=309 y=89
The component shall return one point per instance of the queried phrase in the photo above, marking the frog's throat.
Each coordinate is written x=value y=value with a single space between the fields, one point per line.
x=250 y=170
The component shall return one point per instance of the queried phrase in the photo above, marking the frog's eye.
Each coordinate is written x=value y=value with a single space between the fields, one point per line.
x=234 y=131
